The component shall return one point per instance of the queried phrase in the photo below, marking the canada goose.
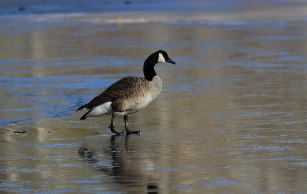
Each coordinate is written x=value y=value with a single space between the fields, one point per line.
x=129 y=95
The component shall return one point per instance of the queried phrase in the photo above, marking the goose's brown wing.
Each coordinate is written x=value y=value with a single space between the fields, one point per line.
x=124 y=88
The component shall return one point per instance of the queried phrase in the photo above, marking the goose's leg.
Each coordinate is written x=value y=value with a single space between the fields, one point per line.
x=127 y=128
x=111 y=127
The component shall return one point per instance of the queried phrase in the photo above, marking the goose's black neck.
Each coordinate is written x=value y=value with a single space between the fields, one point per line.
x=148 y=68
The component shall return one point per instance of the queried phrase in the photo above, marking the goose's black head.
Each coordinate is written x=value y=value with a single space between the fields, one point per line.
x=163 y=57
x=158 y=57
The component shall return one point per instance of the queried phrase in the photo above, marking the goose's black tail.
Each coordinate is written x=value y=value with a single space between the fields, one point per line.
x=81 y=107
x=85 y=115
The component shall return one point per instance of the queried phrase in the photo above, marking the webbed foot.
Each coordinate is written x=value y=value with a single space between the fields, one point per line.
x=128 y=132
x=111 y=127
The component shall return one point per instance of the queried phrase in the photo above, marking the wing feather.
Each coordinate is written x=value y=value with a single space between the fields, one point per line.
x=124 y=88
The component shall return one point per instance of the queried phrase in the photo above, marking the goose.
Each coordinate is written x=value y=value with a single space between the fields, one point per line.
x=129 y=94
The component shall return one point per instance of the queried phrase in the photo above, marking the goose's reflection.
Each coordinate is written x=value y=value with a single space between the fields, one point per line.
x=127 y=167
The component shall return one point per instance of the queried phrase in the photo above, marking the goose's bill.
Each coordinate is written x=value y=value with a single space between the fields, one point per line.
x=170 y=61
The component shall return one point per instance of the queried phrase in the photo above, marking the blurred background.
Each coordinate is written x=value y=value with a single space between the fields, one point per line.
x=231 y=117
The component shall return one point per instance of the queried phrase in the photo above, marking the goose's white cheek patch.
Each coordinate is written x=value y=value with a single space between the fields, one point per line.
x=161 y=59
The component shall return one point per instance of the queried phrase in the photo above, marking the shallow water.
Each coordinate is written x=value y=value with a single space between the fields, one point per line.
x=231 y=118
